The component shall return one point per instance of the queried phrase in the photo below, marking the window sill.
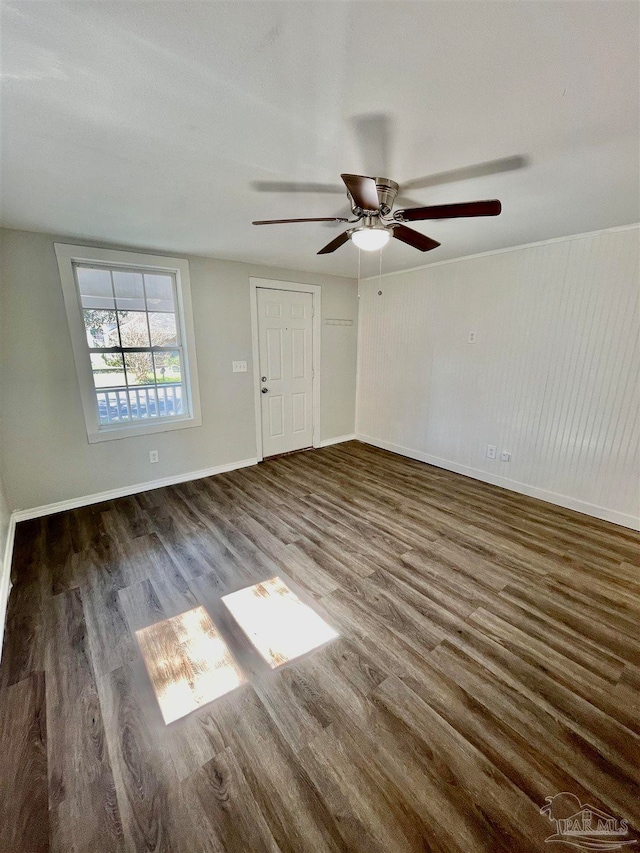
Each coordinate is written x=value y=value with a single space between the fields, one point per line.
x=112 y=433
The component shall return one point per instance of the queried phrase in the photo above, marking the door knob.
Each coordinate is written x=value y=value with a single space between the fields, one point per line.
x=264 y=390
x=263 y=379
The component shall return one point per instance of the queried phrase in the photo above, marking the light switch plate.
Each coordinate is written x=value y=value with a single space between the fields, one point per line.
x=505 y=456
x=239 y=366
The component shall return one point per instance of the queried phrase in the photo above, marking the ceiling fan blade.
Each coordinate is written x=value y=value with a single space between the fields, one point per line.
x=283 y=221
x=363 y=191
x=491 y=207
x=294 y=187
x=337 y=217
x=491 y=167
x=414 y=238
x=340 y=240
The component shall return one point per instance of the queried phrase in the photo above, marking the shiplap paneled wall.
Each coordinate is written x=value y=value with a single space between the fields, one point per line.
x=552 y=377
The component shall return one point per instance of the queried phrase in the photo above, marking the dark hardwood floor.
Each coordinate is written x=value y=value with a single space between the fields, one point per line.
x=488 y=658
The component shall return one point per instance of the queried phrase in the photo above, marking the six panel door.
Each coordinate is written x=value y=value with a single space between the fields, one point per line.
x=285 y=329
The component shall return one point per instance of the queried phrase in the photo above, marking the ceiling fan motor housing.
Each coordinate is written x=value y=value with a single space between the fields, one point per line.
x=387 y=192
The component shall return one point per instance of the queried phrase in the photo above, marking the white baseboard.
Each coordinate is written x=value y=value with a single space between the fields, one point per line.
x=328 y=441
x=124 y=491
x=5 y=577
x=565 y=501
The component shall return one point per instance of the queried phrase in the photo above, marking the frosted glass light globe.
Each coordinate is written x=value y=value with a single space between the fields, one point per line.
x=370 y=239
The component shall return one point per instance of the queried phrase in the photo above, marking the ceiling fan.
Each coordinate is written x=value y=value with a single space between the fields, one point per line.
x=372 y=201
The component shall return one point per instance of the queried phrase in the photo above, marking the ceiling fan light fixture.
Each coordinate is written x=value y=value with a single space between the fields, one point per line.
x=370 y=239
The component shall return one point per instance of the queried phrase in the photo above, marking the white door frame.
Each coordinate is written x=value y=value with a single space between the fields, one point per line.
x=316 y=291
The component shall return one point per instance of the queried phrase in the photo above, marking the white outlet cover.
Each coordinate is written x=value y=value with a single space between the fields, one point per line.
x=153 y=456
x=471 y=339
x=491 y=451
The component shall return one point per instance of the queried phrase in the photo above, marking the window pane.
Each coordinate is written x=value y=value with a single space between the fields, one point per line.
x=163 y=330
x=159 y=292
x=170 y=400
x=168 y=367
x=142 y=402
x=139 y=367
x=133 y=328
x=113 y=405
x=95 y=288
x=101 y=327
x=108 y=369
x=129 y=291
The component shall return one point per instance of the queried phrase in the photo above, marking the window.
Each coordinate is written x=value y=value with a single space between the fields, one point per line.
x=132 y=334
x=134 y=343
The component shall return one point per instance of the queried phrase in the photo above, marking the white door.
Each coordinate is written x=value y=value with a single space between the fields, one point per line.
x=285 y=329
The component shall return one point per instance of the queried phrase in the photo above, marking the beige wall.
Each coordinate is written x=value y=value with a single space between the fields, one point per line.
x=552 y=377
x=4 y=524
x=5 y=513
x=5 y=568
x=47 y=457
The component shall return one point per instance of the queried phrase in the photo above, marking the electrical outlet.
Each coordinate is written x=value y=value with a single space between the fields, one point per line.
x=153 y=456
x=505 y=456
x=471 y=339
x=491 y=451
x=239 y=366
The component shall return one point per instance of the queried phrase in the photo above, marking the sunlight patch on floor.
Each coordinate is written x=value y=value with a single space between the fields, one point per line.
x=278 y=623
x=188 y=662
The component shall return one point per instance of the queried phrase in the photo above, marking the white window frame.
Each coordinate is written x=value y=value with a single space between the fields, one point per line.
x=68 y=256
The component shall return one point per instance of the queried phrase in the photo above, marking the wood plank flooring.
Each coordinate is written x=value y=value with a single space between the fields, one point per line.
x=488 y=658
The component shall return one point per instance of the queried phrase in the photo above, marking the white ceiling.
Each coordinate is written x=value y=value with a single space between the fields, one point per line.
x=146 y=123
